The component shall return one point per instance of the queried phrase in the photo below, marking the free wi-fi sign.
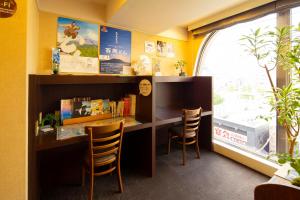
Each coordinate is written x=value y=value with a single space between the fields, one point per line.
x=7 y=8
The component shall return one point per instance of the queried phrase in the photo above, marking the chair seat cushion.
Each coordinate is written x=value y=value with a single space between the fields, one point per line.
x=178 y=131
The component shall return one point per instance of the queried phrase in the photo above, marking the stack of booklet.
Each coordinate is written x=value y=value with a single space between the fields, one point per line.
x=85 y=106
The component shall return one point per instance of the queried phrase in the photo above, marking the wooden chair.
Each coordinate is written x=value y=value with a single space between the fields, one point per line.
x=104 y=153
x=188 y=132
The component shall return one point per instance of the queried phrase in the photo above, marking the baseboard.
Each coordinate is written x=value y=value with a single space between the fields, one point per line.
x=254 y=162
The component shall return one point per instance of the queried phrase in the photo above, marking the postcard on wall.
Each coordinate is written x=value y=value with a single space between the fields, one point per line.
x=149 y=47
x=115 y=50
x=161 y=48
x=170 y=51
x=78 y=43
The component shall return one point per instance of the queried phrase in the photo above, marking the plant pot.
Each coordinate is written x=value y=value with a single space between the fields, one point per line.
x=55 y=68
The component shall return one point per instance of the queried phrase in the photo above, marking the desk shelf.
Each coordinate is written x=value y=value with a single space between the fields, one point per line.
x=166 y=115
x=45 y=141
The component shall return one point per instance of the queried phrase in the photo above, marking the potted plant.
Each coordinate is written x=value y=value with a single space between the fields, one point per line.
x=180 y=65
x=50 y=119
x=271 y=49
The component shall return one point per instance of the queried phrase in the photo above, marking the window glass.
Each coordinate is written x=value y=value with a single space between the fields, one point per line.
x=240 y=90
x=295 y=21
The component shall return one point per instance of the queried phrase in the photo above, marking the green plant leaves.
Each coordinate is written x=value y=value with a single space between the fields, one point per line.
x=274 y=48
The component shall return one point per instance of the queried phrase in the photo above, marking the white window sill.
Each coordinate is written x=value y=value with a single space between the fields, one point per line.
x=255 y=162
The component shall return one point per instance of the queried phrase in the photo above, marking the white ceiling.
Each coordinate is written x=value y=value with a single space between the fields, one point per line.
x=151 y=16
x=156 y=16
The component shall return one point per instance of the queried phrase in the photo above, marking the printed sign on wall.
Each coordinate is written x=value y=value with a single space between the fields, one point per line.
x=78 y=43
x=115 y=50
x=7 y=8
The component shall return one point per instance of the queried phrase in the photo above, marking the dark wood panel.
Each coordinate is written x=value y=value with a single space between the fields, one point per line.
x=61 y=165
x=205 y=132
x=277 y=188
x=201 y=94
x=173 y=94
x=33 y=192
x=144 y=103
x=82 y=79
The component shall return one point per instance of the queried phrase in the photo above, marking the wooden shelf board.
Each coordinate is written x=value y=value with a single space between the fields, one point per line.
x=172 y=115
x=162 y=79
x=49 y=140
x=83 y=79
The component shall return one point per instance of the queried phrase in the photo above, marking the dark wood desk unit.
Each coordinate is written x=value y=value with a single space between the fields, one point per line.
x=47 y=155
x=277 y=188
x=172 y=94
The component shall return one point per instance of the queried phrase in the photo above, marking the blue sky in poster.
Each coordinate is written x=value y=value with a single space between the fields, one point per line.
x=115 y=44
x=87 y=30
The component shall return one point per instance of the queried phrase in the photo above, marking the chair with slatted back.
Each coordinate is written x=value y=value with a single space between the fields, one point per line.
x=104 y=153
x=188 y=132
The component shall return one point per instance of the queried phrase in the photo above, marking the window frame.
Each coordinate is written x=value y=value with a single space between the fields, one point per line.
x=282 y=76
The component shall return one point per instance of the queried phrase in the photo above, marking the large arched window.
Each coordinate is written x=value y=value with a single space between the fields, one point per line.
x=240 y=89
x=295 y=21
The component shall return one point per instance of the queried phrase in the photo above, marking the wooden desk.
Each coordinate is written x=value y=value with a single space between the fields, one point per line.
x=74 y=134
x=60 y=154
x=172 y=115
x=161 y=108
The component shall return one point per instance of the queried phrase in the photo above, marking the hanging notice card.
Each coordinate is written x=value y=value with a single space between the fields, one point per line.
x=78 y=43
x=115 y=50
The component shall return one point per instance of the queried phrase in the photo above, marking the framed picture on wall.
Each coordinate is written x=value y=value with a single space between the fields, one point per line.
x=161 y=48
x=115 y=50
x=149 y=47
x=78 y=43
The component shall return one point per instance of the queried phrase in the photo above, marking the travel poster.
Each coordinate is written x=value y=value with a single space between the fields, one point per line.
x=78 y=43
x=115 y=50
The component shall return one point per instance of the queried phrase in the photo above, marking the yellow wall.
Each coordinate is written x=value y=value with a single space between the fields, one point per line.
x=47 y=40
x=32 y=36
x=13 y=104
x=193 y=48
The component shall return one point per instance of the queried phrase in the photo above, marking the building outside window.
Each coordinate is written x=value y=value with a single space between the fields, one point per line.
x=241 y=88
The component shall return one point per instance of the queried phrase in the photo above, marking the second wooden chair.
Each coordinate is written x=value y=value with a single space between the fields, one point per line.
x=188 y=132
x=104 y=153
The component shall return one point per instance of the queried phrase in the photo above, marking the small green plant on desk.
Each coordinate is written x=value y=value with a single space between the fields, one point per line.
x=51 y=120
x=180 y=65
x=274 y=48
